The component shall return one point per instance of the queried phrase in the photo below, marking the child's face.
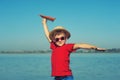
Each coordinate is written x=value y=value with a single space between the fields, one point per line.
x=60 y=39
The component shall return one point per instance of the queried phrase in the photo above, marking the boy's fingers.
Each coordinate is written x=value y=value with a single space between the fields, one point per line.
x=44 y=20
x=100 y=49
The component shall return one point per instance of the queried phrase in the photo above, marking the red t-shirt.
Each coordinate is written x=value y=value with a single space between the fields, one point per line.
x=60 y=59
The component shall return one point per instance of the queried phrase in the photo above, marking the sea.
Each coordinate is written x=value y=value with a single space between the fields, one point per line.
x=87 y=66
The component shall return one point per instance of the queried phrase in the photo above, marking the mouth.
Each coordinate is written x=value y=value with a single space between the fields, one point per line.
x=60 y=43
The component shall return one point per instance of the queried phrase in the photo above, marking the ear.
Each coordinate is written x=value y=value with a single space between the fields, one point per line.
x=66 y=38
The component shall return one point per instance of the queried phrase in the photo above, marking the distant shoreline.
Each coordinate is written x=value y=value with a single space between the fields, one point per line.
x=113 y=50
x=74 y=52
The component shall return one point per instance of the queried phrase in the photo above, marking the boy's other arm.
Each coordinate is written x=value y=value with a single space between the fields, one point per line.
x=84 y=46
x=44 y=22
x=87 y=46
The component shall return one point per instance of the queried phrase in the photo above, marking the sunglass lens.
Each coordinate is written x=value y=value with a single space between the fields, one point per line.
x=62 y=38
x=57 y=39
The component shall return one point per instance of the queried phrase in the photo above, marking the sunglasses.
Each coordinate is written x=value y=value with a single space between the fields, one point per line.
x=58 y=39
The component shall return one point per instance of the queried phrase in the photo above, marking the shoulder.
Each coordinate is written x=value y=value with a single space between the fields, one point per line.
x=52 y=45
x=70 y=46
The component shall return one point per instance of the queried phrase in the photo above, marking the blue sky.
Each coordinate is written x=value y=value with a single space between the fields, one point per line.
x=90 y=21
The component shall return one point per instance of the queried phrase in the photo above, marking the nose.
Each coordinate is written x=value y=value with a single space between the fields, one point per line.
x=60 y=40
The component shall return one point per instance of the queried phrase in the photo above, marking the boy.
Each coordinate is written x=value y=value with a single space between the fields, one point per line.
x=60 y=57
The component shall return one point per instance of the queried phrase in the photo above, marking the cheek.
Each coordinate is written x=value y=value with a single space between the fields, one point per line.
x=65 y=40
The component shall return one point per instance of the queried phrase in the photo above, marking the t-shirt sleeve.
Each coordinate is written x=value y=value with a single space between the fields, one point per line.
x=70 y=48
x=52 y=45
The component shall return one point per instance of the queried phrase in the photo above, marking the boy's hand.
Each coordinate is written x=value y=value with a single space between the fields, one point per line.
x=100 y=49
x=44 y=20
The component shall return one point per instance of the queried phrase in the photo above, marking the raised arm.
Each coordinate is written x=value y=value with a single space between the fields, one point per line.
x=44 y=22
x=87 y=46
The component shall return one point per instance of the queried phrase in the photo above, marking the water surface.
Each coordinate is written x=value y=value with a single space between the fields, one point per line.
x=38 y=67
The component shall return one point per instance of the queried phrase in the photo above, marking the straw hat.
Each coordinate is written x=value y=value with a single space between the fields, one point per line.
x=58 y=29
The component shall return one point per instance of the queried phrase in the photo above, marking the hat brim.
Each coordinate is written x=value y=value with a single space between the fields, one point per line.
x=67 y=33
